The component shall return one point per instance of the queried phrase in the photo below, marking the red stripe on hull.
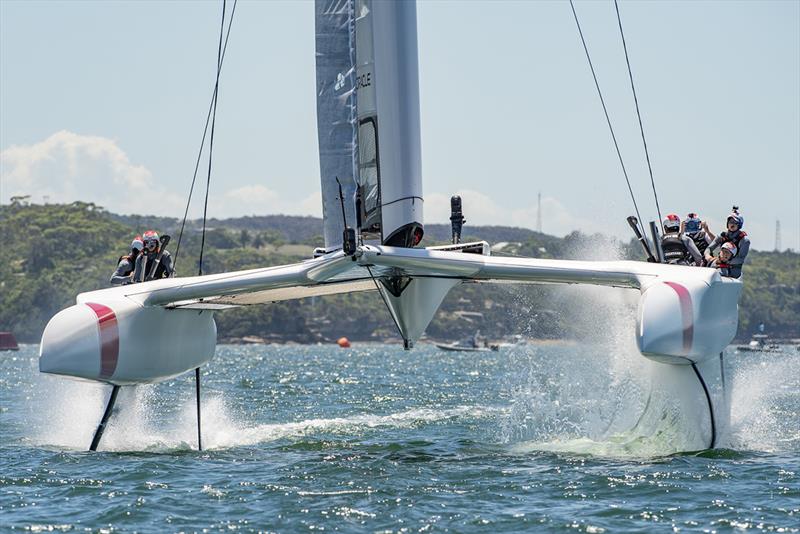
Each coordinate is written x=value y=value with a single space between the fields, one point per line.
x=109 y=338
x=687 y=314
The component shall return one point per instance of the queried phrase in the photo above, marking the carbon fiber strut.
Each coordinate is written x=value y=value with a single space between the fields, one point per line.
x=98 y=434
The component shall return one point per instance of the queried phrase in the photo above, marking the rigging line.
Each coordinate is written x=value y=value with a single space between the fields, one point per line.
x=638 y=114
x=202 y=142
x=211 y=140
x=608 y=119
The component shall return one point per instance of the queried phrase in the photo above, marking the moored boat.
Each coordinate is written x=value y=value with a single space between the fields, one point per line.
x=8 y=341
x=759 y=343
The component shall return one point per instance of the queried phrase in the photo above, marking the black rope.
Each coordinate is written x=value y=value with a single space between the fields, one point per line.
x=608 y=120
x=710 y=406
x=638 y=114
x=202 y=142
x=211 y=141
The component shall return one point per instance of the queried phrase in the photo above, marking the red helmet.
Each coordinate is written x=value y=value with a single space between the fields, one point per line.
x=150 y=237
x=137 y=243
x=672 y=223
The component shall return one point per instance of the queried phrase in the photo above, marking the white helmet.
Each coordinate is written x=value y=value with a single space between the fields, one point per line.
x=730 y=247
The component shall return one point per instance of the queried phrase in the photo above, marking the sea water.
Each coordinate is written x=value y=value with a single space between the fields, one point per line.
x=376 y=439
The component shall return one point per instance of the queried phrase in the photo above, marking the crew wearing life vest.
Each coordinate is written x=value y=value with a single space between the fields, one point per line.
x=678 y=248
x=698 y=231
x=127 y=264
x=738 y=238
x=146 y=261
x=722 y=262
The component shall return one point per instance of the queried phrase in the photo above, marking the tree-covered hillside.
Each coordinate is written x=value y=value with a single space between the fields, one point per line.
x=52 y=252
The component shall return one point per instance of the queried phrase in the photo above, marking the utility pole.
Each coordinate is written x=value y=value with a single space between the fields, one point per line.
x=539 y=214
x=777 y=235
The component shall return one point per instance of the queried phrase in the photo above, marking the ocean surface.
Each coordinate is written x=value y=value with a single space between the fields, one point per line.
x=374 y=439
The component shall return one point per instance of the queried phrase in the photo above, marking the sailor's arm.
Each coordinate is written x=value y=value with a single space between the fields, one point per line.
x=138 y=271
x=709 y=234
x=119 y=277
x=741 y=255
x=166 y=261
x=712 y=247
x=693 y=250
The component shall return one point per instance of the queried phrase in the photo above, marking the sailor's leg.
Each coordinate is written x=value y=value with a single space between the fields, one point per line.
x=106 y=415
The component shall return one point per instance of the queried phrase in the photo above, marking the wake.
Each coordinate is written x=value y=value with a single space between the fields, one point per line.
x=73 y=409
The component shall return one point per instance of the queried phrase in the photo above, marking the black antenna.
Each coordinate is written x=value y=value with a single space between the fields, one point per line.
x=349 y=235
x=457 y=219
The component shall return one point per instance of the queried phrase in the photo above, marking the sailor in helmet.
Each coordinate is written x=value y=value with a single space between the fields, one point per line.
x=698 y=231
x=735 y=235
x=126 y=264
x=722 y=262
x=678 y=248
x=153 y=263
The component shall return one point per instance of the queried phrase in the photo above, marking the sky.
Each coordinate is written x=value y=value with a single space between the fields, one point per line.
x=106 y=102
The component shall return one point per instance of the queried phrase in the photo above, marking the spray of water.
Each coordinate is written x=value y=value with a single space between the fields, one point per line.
x=599 y=396
x=70 y=411
x=765 y=404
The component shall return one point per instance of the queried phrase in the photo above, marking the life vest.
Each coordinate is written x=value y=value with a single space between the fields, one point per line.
x=162 y=268
x=699 y=239
x=725 y=269
x=726 y=238
x=675 y=250
x=160 y=272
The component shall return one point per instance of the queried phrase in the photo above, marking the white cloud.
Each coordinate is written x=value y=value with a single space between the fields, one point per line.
x=67 y=166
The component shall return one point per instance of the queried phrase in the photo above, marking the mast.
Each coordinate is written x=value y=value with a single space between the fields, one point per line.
x=368 y=119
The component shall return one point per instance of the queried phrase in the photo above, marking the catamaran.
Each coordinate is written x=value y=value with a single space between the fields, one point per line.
x=369 y=146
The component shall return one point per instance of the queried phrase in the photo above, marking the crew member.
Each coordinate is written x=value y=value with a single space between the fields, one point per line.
x=127 y=264
x=738 y=237
x=698 y=231
x=678 y=248
x=152 y=254
x=722 y=262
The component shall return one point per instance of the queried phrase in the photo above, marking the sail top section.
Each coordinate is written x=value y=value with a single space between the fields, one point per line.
x=336 y=113
x=368 y=120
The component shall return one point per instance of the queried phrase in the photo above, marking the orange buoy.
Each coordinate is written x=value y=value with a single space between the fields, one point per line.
x=343 y=342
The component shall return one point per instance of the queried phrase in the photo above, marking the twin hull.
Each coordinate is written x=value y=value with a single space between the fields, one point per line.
x=120 y=341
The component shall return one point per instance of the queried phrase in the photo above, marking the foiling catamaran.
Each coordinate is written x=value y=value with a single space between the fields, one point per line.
x=369 y=146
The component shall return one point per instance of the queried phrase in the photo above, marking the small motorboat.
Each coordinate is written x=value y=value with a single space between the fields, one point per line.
x=474 y=344
x=759 y=343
